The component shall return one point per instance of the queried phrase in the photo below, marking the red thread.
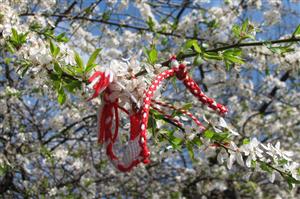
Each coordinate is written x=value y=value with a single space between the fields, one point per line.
x=170 y=117
x=185 y=112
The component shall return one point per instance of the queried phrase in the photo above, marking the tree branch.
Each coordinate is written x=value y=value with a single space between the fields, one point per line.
x=237 y=45
x=120 y=25
x=68 y=10
x=240 y=45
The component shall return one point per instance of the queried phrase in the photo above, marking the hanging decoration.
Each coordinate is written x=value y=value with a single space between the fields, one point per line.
x=136 y=151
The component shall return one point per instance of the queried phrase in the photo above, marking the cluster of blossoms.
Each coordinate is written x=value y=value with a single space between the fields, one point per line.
x=257 y=152
x=61 y=154
x=125 y=81
x=252 y=153
x=30 y=46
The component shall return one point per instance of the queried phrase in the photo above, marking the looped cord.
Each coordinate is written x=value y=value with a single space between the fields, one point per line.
x=136 y=150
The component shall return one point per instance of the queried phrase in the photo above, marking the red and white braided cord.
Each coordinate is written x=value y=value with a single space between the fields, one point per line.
x=136 y=150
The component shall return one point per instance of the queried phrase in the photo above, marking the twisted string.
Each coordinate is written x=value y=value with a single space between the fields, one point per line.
x=170 y=117
x=183 y=111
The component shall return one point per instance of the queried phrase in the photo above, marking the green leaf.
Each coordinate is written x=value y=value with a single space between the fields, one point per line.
x=280 y=49
x=212 y=55
x=282 y=161
x=234 y=59
x=90 y=67
x=213 y=24
x=297 y=32
x=227 y=65
x=35 y=26
x=4 y=168
x=175 y=195
x=236 y=30
x=177 y=112
x=232 y=56
x=57 y=68
x=174 y=141
x=54 y=77
x=17 y=39
x=209 y=134
x=253 y=163
x=150 y=24
x=15 y=35
x=245 y=31
x=92 y=59
x=106 y=15
x=153 y=56
x=190 y=149
x=62 y=38
x=220 y=137
x=233 y=52
x=246 y=141
x=267 y=70
x=198 y=60
x=61 y=98
x=245 y=25
x=7 y=60
x=194 y=45
x=175 y=24
x=52 y=47
x=56 y=51
x=197 y=142
x=46 y=152
x=73 y=85
x=152 y=124
x=155 y=114
x=266 y=167
x=48 y=33
x=78 y=61
x=187 y=106
x=68 y=69
x=10 y=47
x=22 y=38
x=164 y=41
x=290 y=180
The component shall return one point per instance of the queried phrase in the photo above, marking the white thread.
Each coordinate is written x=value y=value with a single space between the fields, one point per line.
x=214 y=103
x=174 y=63
x=111 y=76
x=95 y=81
